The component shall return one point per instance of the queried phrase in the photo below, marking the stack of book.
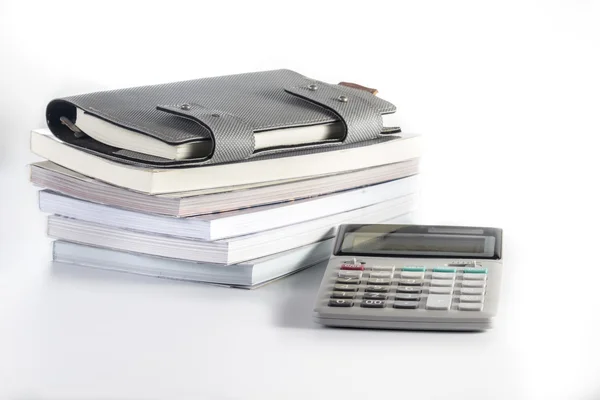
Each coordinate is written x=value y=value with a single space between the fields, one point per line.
x=239 y=224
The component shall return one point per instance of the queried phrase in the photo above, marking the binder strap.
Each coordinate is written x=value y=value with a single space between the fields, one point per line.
x=362 y=119
x=233 y=139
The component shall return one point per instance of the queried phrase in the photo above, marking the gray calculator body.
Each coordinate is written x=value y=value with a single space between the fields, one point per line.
x=420 y=277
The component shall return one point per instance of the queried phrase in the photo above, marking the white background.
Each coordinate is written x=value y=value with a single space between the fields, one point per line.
x=507 y=96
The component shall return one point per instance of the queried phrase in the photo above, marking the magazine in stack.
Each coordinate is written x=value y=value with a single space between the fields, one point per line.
x=237 y=180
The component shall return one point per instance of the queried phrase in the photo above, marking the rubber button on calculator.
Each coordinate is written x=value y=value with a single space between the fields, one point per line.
x=469 y=298
x=349 y=281
x=475 y=277
x=350 y=274
x=375 y=296
x=377 y=289
x=408 y=289
x=353 y=267
x=343 y=295
x=408 y=297
x=475 y=271
x=373 y=303
x=442 y=275
x=381 y=274
x=406 y=304
x=442 y=282
x=345 y=288
x=468 y=290
x=410 y=282
x=379 y=281
x=440 y=290
x=470 y=306
x=444 y=269
x=473 y=284
x=340 y=303
x=412 y=275
x=439 y=302
x=388 y=268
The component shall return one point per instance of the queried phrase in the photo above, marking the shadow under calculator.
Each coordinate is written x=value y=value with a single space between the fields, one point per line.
x=298 y=293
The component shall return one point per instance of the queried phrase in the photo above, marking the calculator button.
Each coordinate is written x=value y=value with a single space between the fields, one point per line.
x=408 y=289
x=468 y=290
x=350 y=274
x=375 y=296
x=353 y=267
x=442 y=275
x=470 y=306
x=445 y=270
x=475 y=277
x=381 y=274
x=343 y=295
x=379 y=281
x=410 y=282
x=475 y=271
x=442 y=282
x=412 y=275
x=439 y=302
x=473 y=284
x=349 y=281
x=413 y=268
x=377 y=288
x=408 y=296
x=440 y=290
x=340 y=303
x=373 y=303
x=387 y=268
x=406 y=304
x=469 y=298
x=345 y=288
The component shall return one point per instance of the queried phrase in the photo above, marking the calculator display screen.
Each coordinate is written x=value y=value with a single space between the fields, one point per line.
x=418 y=241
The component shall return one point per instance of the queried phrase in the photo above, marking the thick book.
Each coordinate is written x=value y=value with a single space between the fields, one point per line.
x=226 y=251
x=270 y=169
x=219 y=119
x=231 y=223
x=247 y=275
x=58 y=179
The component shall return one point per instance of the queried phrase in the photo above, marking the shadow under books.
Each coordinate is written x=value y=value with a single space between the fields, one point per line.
x=298 y=293
x=291 y=299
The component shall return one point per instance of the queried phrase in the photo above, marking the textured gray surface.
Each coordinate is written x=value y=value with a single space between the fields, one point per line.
x=362 y=119
x=233 y=139
x=254 y=101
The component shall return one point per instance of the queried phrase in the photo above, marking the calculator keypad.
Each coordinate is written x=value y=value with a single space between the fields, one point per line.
x=410 y=287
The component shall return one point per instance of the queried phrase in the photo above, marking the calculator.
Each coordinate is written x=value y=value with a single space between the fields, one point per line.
x=418 y=277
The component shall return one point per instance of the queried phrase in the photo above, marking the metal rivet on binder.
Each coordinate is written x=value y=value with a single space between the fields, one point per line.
x=343 y=99
x=215 y=115
x=185 y=106
x=312 y=87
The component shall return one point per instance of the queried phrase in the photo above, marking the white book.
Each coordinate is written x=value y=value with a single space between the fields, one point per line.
x=248 y=275
x=226 y=251
x=157 y=180
x=232 y=223
x=52 y=176
x=127 y=139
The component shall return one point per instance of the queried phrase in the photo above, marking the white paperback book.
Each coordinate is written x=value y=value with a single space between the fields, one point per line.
x=226 y=251
x=247 y=275
x=52 y=176
x=165 y=180
x=232 y=223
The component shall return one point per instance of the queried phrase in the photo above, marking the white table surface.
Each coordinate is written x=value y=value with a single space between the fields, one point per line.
x=507 y=99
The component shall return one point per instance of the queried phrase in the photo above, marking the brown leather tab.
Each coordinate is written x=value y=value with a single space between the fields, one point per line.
x=360 y=87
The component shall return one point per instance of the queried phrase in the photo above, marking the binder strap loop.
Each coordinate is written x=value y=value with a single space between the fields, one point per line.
x=233 y=139
x=362 y=119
